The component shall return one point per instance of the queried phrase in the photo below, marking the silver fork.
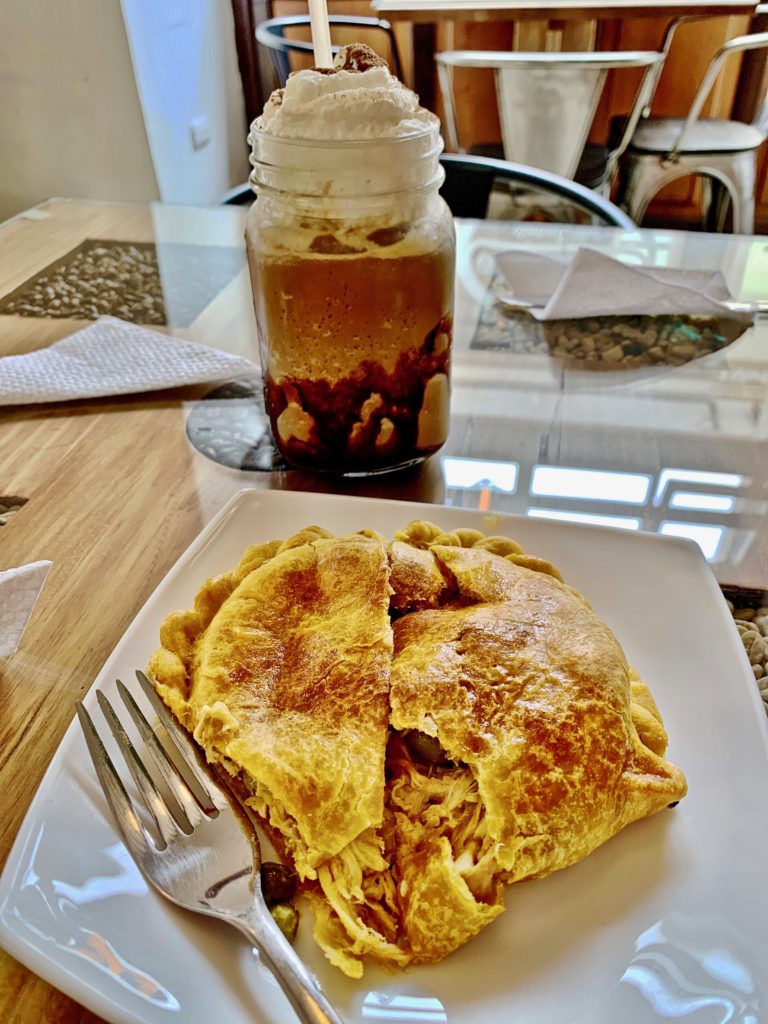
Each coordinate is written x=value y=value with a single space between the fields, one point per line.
x=202 y=859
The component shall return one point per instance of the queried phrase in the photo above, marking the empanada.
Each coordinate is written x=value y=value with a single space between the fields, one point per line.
x=418 y=724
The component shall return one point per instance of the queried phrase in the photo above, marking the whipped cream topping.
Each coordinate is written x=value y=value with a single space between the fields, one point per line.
x=356 y=99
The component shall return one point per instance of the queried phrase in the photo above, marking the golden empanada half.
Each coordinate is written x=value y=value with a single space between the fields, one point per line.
x=287 y=687
x=526 y=686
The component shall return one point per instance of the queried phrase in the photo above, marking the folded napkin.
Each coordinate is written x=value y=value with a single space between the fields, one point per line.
x=112 y=357
x=19 y=590
x=593 y=284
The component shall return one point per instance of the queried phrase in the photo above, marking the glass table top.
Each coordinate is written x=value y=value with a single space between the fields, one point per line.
x=676 y=450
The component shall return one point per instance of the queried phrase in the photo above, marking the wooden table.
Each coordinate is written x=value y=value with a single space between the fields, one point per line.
x=115 y=491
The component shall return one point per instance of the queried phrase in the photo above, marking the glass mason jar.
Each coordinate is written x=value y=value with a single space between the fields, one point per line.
x=351 y=254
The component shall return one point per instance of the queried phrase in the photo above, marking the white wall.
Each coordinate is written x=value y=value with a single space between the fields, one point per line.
x=70 y=118
x=97 y=98
x=186 y=70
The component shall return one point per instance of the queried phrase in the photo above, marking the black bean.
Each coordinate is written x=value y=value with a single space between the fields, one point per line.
x=426 y=748
x=278 y=883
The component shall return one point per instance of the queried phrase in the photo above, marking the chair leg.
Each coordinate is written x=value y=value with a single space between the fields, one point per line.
x=744 y=170
x=722 y=202
x=716 y=198
x=724 y=177
x=641 y=180
x=743 y=203
x=744 y=214
x=736 y=172
x=637 y=190
x=707 y=186
x=604 y=189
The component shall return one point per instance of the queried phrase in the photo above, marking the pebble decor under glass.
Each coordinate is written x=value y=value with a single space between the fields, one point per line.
x=750 y=612
x=601 y=342
x=9 y=506
x=98 y=278
x=148 y=283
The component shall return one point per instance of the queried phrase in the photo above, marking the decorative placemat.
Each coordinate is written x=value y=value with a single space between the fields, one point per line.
x=749 y=608
x=601 y=342
x=168 y=284
x=503 y=330
x=9 y=506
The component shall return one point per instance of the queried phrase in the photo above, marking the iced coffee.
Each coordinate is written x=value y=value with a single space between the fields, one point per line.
x=351 y=252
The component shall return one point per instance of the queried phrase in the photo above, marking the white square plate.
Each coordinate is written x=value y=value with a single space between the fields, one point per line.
x=667 y=920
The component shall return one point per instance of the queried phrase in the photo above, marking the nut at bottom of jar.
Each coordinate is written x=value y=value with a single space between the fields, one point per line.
x=371 y=421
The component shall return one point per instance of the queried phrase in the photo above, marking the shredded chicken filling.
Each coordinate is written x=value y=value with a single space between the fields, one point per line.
x=359 y=883
x=446 y=802
x=359 y=886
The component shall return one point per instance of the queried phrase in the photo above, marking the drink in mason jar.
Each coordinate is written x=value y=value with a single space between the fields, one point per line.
x=351 y=251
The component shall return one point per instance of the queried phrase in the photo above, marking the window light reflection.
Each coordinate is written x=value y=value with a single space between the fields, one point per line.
x=723 y=965
x=707 y=537
x=702 y=502
x=674 y=997
x=476 y=474
x=594 y=484
x=406 y=1009
x=617 y=522
x=695 y=476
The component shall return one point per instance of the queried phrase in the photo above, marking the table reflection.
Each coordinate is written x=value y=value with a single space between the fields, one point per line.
x=553 y=492
x=675 y=450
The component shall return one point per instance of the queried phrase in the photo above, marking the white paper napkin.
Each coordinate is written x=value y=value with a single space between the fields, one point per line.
x=19 y=591
x=593 y=284
x=112 y=357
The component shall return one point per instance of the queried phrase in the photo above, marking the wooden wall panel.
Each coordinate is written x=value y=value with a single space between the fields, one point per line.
x=474 y=90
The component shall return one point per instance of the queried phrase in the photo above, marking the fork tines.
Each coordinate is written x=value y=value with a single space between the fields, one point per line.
x=186 y=787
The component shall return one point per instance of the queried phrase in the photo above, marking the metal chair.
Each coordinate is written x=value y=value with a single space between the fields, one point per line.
x=271 y=34
x=547 y=102
x=666 y=148
x=469 y=181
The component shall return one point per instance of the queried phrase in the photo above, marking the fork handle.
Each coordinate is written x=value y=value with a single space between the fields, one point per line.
x=296 y=981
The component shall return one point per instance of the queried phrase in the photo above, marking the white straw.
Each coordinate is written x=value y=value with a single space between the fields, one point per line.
x=321 y=34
